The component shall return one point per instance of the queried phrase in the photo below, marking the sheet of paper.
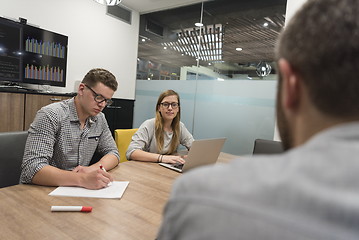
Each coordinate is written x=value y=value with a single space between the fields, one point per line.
x=115 y=190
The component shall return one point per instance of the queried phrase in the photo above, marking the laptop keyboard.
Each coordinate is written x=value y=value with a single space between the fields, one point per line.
x=178 y=165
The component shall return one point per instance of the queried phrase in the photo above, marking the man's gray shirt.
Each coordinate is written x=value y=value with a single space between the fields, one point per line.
x=55 y=138
x=310 y=192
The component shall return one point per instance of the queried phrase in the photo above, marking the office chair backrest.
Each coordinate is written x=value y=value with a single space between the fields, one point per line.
x=123 y=139
x=12 y=146
x=263 y=146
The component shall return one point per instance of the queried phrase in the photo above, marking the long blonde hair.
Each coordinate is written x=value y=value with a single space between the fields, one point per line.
x=159 y=131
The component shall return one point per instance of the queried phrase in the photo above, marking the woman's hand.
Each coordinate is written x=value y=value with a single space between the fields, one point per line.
x=173 y=159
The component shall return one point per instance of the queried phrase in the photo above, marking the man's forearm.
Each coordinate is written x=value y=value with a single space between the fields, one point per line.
x=108 y=161
x=52 y=176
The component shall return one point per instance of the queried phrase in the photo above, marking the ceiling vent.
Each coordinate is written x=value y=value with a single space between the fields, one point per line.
x=120 y=12
x=154 y=28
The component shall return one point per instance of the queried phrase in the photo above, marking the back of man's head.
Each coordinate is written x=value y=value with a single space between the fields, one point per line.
x=321 y=43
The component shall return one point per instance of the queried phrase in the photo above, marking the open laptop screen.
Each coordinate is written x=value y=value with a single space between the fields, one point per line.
x=202 y=152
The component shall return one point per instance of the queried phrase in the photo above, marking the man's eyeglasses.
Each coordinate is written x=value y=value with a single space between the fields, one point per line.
x=174 y=105
x=99 y=98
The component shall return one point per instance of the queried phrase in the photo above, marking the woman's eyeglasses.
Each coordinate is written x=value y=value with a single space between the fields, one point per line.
x=174 y=105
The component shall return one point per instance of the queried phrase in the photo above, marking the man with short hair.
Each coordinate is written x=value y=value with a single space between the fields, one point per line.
x=65 y=135
x=312 y=190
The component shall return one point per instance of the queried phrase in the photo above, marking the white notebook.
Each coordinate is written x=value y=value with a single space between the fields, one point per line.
x=115 y=190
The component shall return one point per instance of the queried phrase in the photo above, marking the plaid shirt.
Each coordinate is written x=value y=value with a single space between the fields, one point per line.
x=55 y=138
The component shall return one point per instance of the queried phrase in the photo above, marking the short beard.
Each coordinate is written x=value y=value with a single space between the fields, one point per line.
x=283 y=125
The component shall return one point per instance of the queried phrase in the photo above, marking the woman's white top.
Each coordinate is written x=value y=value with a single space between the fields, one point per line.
x=144 y=139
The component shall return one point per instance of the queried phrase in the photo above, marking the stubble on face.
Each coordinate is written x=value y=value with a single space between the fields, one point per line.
x=282 y=122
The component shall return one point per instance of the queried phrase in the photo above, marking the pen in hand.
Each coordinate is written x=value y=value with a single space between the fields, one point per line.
x=101 y=167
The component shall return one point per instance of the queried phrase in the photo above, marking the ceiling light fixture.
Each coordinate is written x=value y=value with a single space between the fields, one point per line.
x=108 y=2
x=211 y=44
x=239 y=49
x=198 y=24
x=263 y=69
x=265 y=24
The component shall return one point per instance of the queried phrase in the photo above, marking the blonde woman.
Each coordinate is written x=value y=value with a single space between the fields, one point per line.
x=157 y=139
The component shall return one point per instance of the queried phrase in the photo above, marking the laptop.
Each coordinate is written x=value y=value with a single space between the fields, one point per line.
x=202 y=152
x=263 y=146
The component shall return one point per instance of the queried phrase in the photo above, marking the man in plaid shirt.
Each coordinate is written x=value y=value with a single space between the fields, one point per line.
x=65 y=135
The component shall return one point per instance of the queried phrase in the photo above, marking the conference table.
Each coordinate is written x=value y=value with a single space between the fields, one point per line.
x=25 y=209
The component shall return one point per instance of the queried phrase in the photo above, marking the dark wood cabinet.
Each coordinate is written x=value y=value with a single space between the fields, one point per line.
x=18 y=110
x=12 y=112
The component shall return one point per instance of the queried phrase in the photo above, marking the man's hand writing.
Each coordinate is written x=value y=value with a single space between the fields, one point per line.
x=94 y=179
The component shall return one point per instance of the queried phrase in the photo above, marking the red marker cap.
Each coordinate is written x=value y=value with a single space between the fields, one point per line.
x=86 y=209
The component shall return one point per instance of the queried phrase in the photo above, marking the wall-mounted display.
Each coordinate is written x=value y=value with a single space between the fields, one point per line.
x=33 y=55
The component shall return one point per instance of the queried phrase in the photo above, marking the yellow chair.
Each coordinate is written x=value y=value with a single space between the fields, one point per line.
x=123 y=138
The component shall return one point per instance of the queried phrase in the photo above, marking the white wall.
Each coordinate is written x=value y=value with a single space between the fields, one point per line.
x=95 y=38
x=292 y=7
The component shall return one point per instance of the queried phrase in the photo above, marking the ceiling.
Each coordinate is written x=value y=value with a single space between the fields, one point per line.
x=147 y=6
x=231 y=23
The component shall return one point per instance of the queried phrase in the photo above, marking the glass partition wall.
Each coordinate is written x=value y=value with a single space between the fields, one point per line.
x=219 y=56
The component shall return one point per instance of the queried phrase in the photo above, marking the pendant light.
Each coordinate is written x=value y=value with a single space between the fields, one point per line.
x=109 y=2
